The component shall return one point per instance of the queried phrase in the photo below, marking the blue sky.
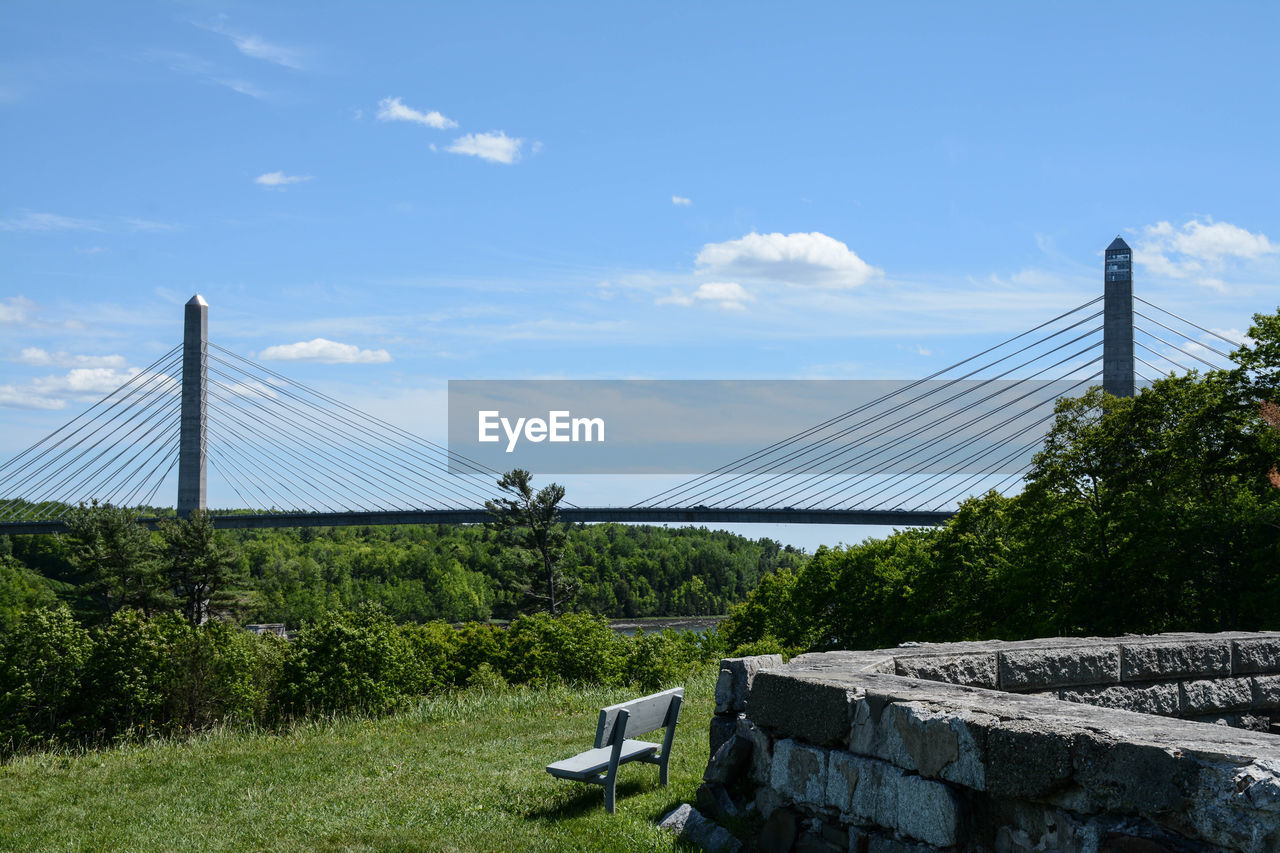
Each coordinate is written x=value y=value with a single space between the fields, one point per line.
x=376 y=198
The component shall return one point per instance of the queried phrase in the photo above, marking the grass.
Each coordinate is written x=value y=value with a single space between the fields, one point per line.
x=460 y=772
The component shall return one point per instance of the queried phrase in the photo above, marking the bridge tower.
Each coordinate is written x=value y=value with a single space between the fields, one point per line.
x=195 y=401
x=1117 y=320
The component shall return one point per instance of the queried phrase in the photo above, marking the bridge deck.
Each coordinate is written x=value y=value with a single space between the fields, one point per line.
x=676 y=515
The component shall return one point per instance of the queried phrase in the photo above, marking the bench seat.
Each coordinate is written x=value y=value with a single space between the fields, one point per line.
x=593 y=762
x=612 y=748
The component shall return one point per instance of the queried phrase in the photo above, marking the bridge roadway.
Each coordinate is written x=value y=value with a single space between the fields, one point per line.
x=676 y=515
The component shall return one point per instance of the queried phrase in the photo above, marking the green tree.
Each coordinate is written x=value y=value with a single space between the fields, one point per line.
x=528 y=521
x=118 y=557
x=200 y=565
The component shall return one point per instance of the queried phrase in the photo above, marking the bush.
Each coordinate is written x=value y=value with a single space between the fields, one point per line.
x=223 y=673
x=129 y=674
x=432 y=648
x=575 y=649
x=658 y=660
x=348 y=662
x=42 y=662
x=478 y=645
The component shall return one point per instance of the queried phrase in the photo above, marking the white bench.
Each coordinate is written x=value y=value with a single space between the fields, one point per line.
x=599 y=766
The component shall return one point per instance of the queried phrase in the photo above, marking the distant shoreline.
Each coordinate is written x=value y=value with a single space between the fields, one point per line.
x=662 y=623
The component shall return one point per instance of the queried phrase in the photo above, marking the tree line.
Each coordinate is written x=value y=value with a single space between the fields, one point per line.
x=1158 y=512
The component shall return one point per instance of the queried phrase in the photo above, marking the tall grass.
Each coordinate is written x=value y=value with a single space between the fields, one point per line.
x=460 y=771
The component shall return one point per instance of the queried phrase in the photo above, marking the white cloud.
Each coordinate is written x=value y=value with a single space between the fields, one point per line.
x=81 y=383
x=681 y=201
x=30 y=221
x=244 y=87
x=803 y=259
x=724 y=294
x=496 y=147
x=84 y=380
x=13 y=397
x=15 y=309
x=1199 y=251
x=256 y=47
x=326 y=352
x=259 y=48
x=279 y=179
x=42 y=358
x=392 y=109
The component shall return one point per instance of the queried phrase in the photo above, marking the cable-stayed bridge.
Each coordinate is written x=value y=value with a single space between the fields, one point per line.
x=294 y=456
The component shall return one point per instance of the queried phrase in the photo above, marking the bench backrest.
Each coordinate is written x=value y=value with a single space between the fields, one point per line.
x=645 y=714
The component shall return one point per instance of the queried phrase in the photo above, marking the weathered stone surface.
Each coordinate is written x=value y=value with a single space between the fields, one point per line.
x=1027 y=759
x=799 y=772
x=973 y=670
x=843 y=773
x=1132 y=777
x=1037 y=669
x=713 y=799
x=927 y=810
x=1162 y=699
x=768 y=801
x=1217 y=694
x=874 y=733
x=689 y=824
x=1266 y=692
x=761 y=749
x=1082 y=773
x=736 y=676
x=722 y=728
x=810 y=709
x=730 y=761
x=927 y=737
x=779 y=833
x=1152 y=661
x=1256 y=655
x=887 y=844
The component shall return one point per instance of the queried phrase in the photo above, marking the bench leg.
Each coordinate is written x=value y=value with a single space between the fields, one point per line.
x=610 y=796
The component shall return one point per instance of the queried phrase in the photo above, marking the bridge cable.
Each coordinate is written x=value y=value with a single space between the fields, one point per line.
x=460 y=490
x=842 y=450
x=303 y=412
x=933 y=425
x=816 y=447
x=735 y=464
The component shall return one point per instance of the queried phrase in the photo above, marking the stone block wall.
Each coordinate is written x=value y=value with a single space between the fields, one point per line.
x=1094 y=745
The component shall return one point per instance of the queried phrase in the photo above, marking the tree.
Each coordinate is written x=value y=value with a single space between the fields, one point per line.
x=199 y=564
x=528 y=520
x=119 y=558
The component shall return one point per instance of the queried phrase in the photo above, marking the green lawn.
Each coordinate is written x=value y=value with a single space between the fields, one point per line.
x=462 y=772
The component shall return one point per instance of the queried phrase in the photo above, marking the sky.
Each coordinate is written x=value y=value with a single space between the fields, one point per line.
x=377 y=198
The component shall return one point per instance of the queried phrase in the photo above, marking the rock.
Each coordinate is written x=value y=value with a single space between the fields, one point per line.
x=730 y=762
x=689 y=825
x=1179 y=659
x=715 y=800
x=736 y=675
x=722 y=728
x=779 y=833
x=815 y=711
x=799 y=772
x=1033 y=669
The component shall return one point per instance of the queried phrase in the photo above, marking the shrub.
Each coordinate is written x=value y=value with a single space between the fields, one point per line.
x=347 y=662
x=42 y=662
x=576 y=648
x=130 y=672
x=478 y=645
x=432 y=648
x=222 y=673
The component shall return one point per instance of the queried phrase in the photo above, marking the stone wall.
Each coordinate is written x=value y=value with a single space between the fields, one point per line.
x=1005 y=747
